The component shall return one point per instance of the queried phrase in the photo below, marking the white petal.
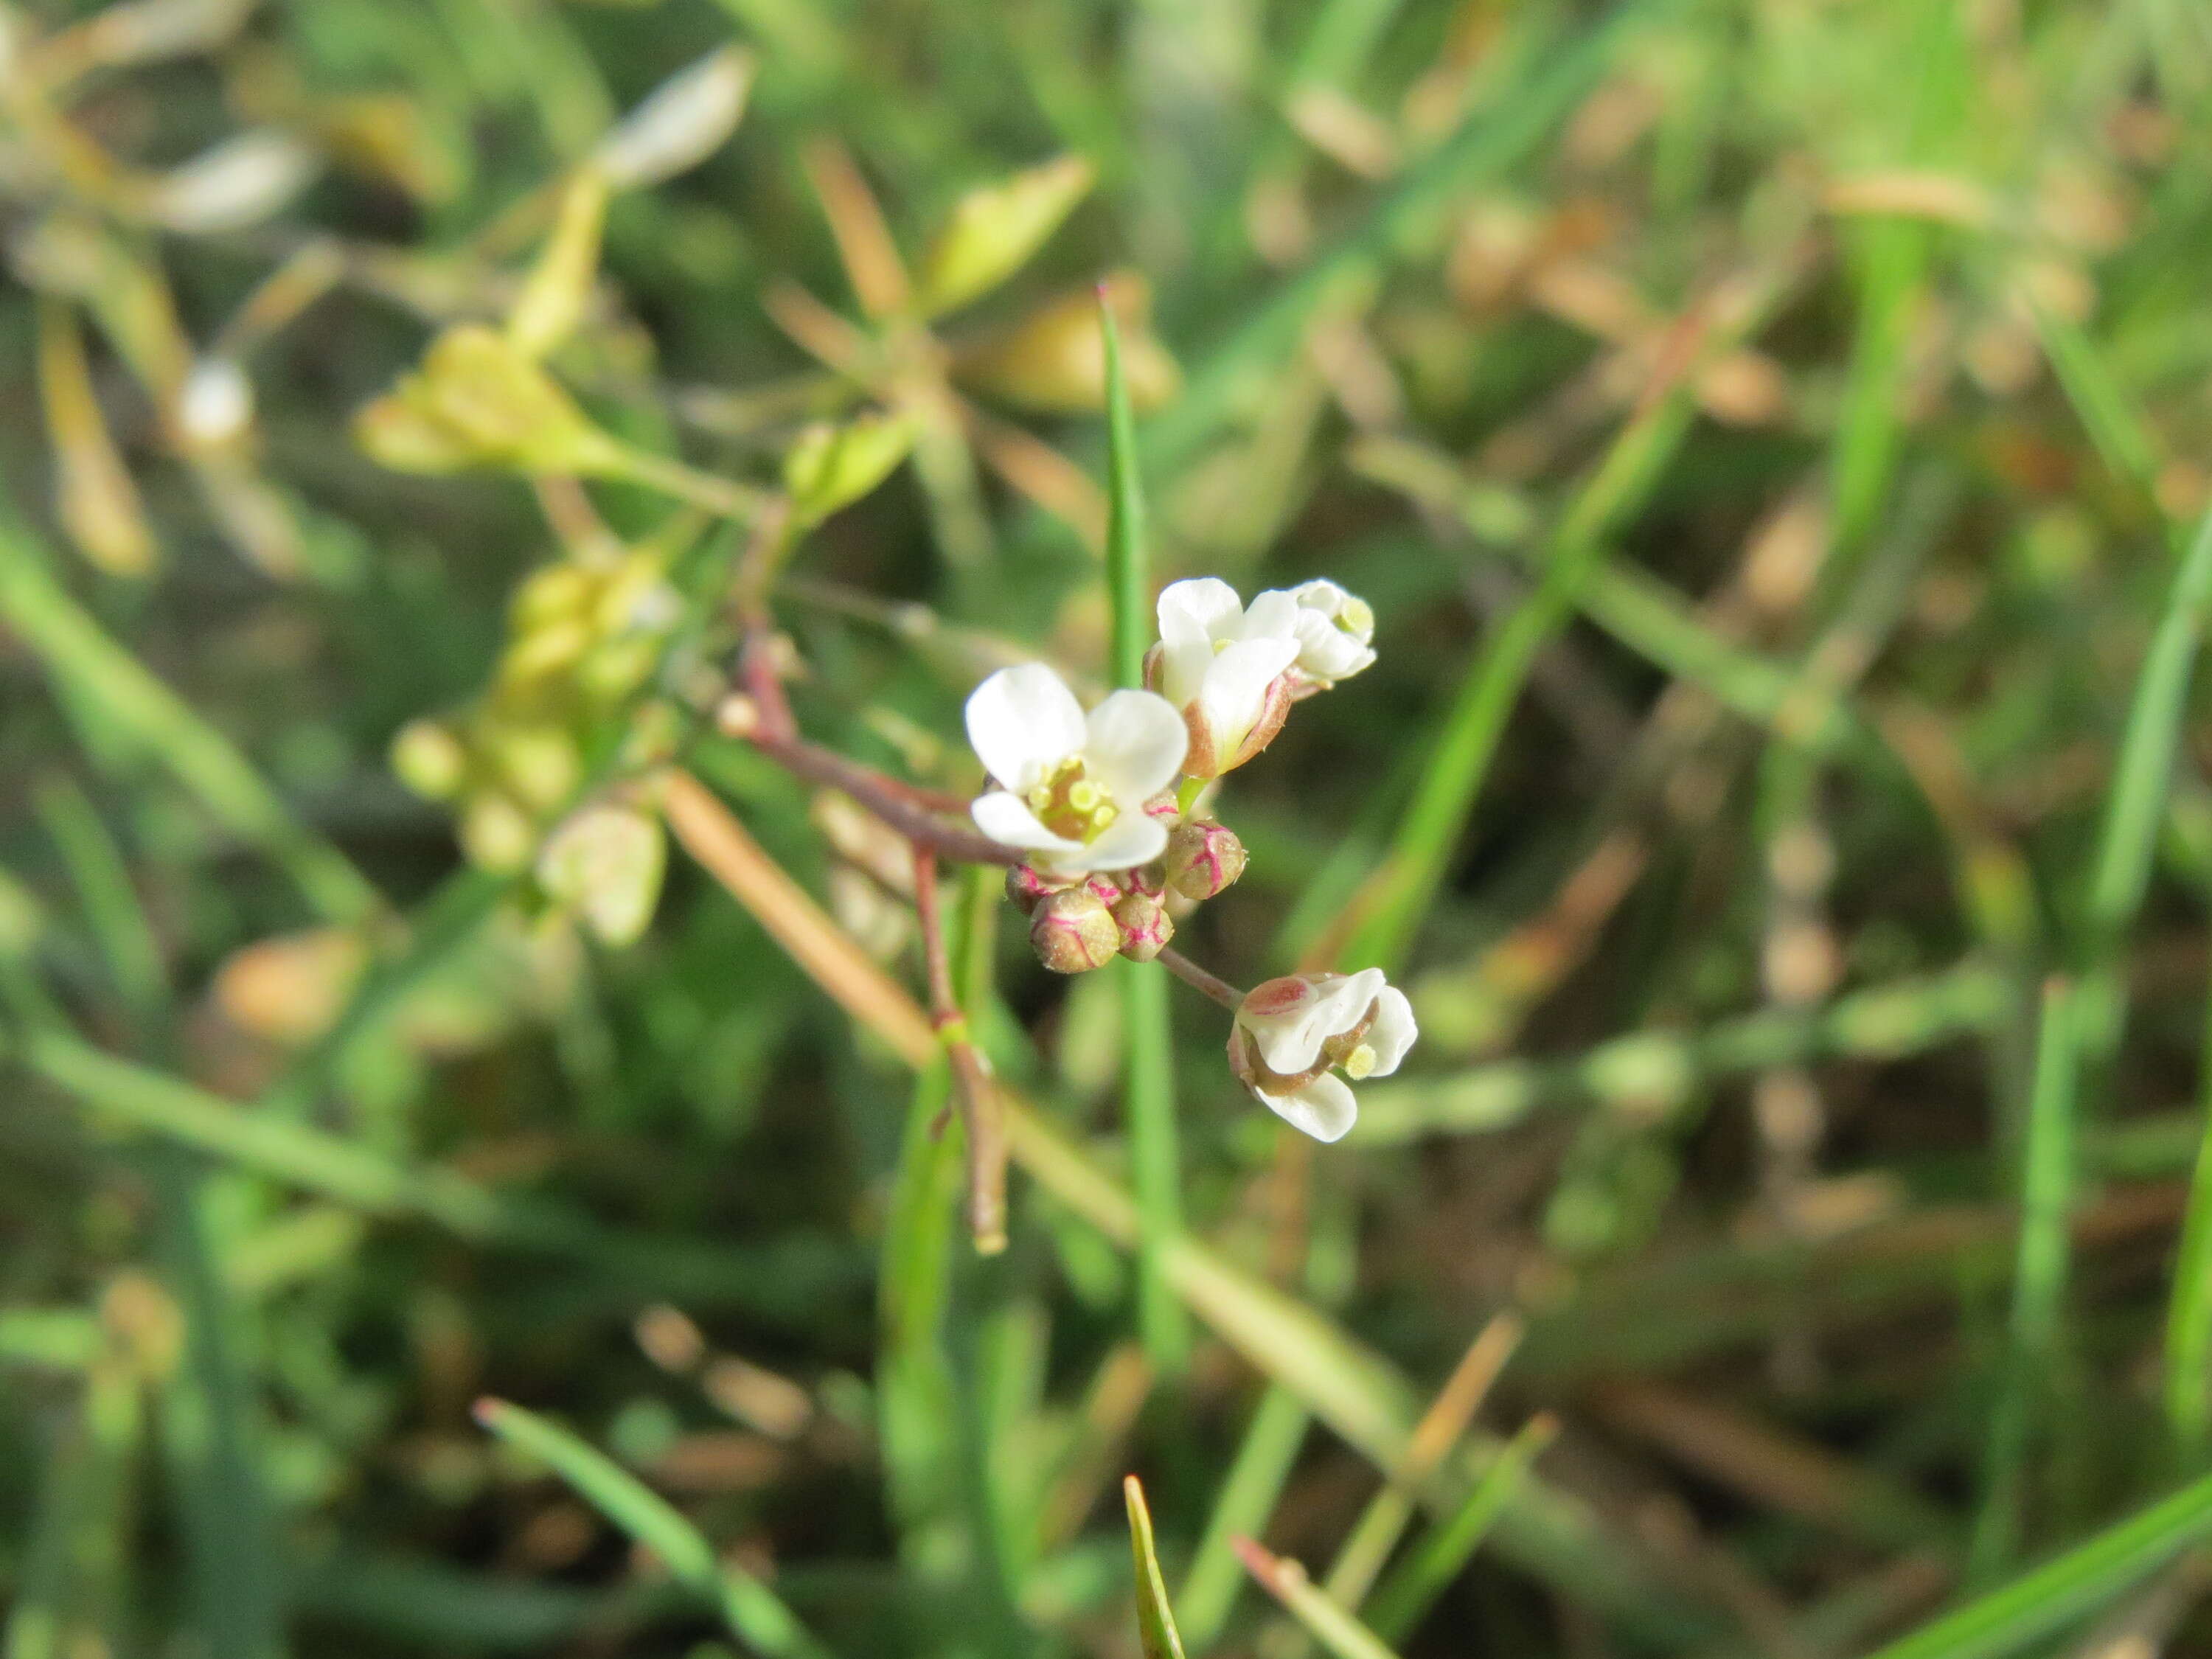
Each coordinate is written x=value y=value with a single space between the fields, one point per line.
x=1292 y=1044
x=1324 y=1109
x=1023 y=722
x=1193 y=615
x=1272 y=614
x=1130 y=840
x=1322 y=595
x=1234 y=690
x=1393 y=1032
x=1134 y=747
x=1007 y=819
x=1326 y=652
x=1206 y=607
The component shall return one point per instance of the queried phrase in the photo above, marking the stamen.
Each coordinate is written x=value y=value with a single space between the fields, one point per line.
x=1040 y=798
x=1357 y=616
x=1359 y=1062
x=1103 y=814
x=1085 y=796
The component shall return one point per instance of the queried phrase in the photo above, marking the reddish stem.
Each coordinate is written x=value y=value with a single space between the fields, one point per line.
x=1195 y=976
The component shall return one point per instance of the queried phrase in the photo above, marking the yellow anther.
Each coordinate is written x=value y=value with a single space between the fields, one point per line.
x=1359 y=1062
x=1039 y=799
x=1103 y=814
x=1085 y=796
x=1357 y=616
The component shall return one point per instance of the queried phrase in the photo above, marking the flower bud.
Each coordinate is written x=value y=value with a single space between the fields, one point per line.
x=1026 y=887
x=429 y=759
x=478 y=402
x=1145 y=926
x=496 y=833
x=1203 y=858
x=1108 y=887
x=606 y=861
x=828 y=467
x=1073 y=932
x=995 y=230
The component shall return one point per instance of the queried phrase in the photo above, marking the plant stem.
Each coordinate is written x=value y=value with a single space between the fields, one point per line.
x=1196 y=977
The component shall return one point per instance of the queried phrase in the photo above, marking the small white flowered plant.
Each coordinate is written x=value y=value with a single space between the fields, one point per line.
x=1292 y=1035
x=1072 y=789
x=1115 y=852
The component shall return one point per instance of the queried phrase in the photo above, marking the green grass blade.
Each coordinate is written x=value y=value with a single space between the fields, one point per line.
x=1419 y=857
x=2038 y=1284
x=1149 y=1091
x=101 y=677
x=2135 y=806
x=779 y=1282
x=1240 y=1507
x=102 y=879
x=2042 y=1601
x=754 y=1613
x=1407 y=1593
x=1489 y=143
x=1156 y=1624
x=2189 y=1310
x=1325 y=1619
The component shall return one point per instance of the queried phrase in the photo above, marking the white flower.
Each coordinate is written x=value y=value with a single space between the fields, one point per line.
x=1072 y=791
x=1290 y=1032
x=1335 y=630
x=1223 y=665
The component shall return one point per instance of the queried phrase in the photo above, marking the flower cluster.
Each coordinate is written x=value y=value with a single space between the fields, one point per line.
x=1103 y=805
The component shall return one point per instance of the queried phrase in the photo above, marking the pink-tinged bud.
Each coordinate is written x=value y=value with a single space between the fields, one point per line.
x=1104 y=887
x=1150 y=879
x=1145 y=926
x=1203 y=858
x=1025 y=887
x=1073 y=932
x=1164 y=806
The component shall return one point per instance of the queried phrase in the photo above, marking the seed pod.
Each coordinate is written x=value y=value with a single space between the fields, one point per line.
x=1073 y=932
x=1203 y=858
x=1145 y=926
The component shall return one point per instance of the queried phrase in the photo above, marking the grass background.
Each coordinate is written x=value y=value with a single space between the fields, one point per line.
x=1770 y=434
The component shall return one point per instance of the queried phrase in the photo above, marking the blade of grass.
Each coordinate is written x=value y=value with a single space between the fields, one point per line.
x=1156 y=1625
x=2135 y=804
x=779 y=1282
x=754 y=1613
x=102 y=880
x=1246 y=1499
x=1325 y=1619
x=103 y=678
x=2042 y=1601
x=2189 y=1310
x=1491 y=141
x=1408 y=1594
x=1405 y=885
x=1148 y=1075
x=2039 y=1287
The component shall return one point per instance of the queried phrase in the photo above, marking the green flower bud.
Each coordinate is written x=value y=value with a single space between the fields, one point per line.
x=1143 y=926
x=429 y=759
x=994 y=231
x=496 y=833
x=478 y=402
x=1203 y=858
x=605 y=862
x=1073 y=932
x=828 y=467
